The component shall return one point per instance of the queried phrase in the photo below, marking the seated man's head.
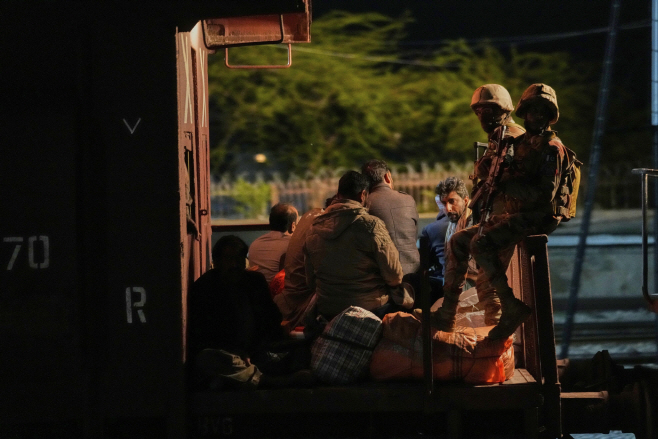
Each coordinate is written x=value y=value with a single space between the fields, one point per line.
x=454 y=197
x=283 y=218
x=377 y=171
x=353 y=186
x=229 y=256
x=330 y=200
x=492 y=105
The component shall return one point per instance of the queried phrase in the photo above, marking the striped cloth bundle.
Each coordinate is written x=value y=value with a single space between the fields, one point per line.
x=341 y=354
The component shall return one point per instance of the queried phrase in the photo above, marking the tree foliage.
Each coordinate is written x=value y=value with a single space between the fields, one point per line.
x=252 y=198
x=353 y=95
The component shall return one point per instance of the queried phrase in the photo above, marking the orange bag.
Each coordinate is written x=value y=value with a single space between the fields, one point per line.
x=277 y=283
x=466 y=354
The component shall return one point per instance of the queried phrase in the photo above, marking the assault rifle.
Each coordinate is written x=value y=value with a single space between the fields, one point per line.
x=474 y=176
x=487 y=191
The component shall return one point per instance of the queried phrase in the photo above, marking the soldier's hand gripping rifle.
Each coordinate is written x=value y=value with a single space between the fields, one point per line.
x=487 y=191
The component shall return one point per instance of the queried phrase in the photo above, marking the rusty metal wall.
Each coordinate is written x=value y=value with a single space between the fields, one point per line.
x=528 y=275
x=41 y=338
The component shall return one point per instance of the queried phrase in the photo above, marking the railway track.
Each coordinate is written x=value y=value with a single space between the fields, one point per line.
x=622 y=326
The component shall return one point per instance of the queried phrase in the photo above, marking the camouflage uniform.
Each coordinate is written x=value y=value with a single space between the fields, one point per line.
x=486 y=292
x=529 y=207
x=497 y=95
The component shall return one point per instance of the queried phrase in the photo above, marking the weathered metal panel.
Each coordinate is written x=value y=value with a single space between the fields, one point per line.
x=193 y=156
x=41 y=338
x=278 y=28
x=202 y=146
x=134 y=117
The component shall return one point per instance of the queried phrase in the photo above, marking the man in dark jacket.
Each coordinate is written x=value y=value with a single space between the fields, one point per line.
x=350 y=258
x=396 y=209
x=229 y=307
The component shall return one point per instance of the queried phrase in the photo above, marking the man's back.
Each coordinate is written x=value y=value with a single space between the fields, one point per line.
x=268 y=253
x=398 y=211
x=237 y=316
x=350 y=259
x=296 y=291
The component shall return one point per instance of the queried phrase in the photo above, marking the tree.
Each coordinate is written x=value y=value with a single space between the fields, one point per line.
x=351 y=96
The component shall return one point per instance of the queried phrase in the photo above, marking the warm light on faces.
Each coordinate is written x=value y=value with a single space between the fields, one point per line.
x=537 y=116
x=490 y=116
x=454 y=205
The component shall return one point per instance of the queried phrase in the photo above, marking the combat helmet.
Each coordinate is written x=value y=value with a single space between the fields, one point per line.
x=492 y=94
x=538 y=91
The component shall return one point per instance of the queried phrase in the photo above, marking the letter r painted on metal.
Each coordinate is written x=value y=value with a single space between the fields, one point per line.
x=138 y=305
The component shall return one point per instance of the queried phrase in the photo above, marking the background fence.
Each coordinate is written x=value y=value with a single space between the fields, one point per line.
x=250 y=197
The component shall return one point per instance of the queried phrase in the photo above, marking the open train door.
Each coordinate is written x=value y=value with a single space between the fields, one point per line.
x=192 y=51
x=192 y=74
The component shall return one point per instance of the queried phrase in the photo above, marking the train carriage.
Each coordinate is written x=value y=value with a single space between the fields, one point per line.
x=106 y=223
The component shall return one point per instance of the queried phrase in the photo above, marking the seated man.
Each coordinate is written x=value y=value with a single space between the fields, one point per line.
x=296 y=295
x=453 y=195
x=350 y=258
x=229 y=307
x=267 y=253
x=432 y=241
x=397 y=210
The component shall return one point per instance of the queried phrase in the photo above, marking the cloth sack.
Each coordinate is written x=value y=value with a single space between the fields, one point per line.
x=466 y=354
x=217 y=369
x=341 y=354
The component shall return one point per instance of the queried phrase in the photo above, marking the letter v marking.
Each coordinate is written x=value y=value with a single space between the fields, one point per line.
x=132 y=130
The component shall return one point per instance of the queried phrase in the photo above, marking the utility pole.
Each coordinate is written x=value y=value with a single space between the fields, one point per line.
x=592 y=178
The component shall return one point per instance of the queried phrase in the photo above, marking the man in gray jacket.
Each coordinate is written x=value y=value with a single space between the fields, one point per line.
x=350 y=258
x=397 y=210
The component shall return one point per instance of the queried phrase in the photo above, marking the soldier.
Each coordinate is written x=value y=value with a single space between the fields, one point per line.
x=528 y=187
x=492 y=104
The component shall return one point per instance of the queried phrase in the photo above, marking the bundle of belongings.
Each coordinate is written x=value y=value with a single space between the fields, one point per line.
x=342 y=352
x=466 y=354
x=356 y=343
x=217 y=369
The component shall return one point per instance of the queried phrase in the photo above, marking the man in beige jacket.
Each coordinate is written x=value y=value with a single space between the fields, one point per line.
x=350 y=258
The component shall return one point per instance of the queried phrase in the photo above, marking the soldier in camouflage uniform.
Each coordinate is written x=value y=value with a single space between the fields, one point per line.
x=492 y=105
x=528 y=188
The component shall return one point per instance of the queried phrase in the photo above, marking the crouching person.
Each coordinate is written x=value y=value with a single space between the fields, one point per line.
x=350 y=259
x=232 y=321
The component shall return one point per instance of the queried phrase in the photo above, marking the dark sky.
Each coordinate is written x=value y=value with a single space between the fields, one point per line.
x=505 y=21
x=439 y=19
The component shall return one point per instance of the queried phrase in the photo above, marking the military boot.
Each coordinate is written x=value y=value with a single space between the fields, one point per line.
x=444 y=318
x=490 y=302
x=514 y=313
x=492 y=312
